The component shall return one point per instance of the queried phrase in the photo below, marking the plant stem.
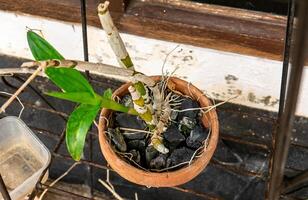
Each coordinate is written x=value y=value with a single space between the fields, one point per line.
x=119 y=49
x=140 y=107
x=21 y=88
x=17 y=70
x=97 y=68
x=114 y=37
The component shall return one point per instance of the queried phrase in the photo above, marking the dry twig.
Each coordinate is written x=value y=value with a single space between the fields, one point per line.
x=58 y=179
x=21 y=88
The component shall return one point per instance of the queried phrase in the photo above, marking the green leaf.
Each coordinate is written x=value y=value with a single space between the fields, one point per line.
x=78 y=97
x=107 y=94
x=41 y=49
x=69 y=80
x=115 y=106
x=109 y=103
x=77 y=127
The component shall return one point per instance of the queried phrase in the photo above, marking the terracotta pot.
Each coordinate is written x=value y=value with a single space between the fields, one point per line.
x=162 y=179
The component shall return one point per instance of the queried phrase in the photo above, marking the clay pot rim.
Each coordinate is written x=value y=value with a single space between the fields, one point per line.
x=166 y=178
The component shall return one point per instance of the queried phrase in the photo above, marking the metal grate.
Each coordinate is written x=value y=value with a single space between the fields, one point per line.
x=281 y=125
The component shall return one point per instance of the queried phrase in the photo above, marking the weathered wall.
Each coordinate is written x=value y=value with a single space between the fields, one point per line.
x=219 y=74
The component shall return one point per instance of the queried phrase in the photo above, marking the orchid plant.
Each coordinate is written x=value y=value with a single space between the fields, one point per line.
x=75 y=88
x=150 y=102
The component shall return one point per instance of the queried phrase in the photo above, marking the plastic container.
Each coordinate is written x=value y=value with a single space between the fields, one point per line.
x=23 y=157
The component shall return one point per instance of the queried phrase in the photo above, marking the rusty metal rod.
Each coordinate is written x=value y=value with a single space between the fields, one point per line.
x=51 y=189
x=286 y=56
x=82 y=161
x=237 y=170
x=239 y=140
x=83 y=12
x=202 y=195
x=295 y=183
x=283 y=133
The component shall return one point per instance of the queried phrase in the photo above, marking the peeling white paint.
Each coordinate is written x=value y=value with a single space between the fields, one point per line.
x=220 y=74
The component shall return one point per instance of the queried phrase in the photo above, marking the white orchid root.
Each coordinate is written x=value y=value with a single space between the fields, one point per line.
x=156 y=139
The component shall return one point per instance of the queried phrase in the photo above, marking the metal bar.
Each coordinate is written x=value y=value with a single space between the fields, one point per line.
x=201 y=195
x=84 y=29
x=31 y=105
x=82 y=161
x=38 y=93
x=284 y=197
x=65 y=191
x=86 y=58
x=237 y=170
x=284 y=76
x=296 y=182
x=286 y=56
x=283 y=133
x=3 y=190
x=239 y=140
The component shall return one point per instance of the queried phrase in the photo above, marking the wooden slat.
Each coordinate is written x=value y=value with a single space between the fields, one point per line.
x=228 y=29
x=217 y=27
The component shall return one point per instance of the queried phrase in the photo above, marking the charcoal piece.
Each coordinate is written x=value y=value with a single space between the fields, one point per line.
x=136 y=144
x=196 y=137
x=135 y=155
x=117 y=139
x=150 y=154
x=129 y=121
x=178 y=156
x=159 y=162
x=188 y=103
x=186 y=125
x=173 y=136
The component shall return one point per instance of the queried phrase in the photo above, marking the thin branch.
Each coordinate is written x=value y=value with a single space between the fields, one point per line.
x=22 y=105
x=11 y=71
x=107 y=186
x=96 y=68
x=108 y=179
x=58 y=179
x=24 y=85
